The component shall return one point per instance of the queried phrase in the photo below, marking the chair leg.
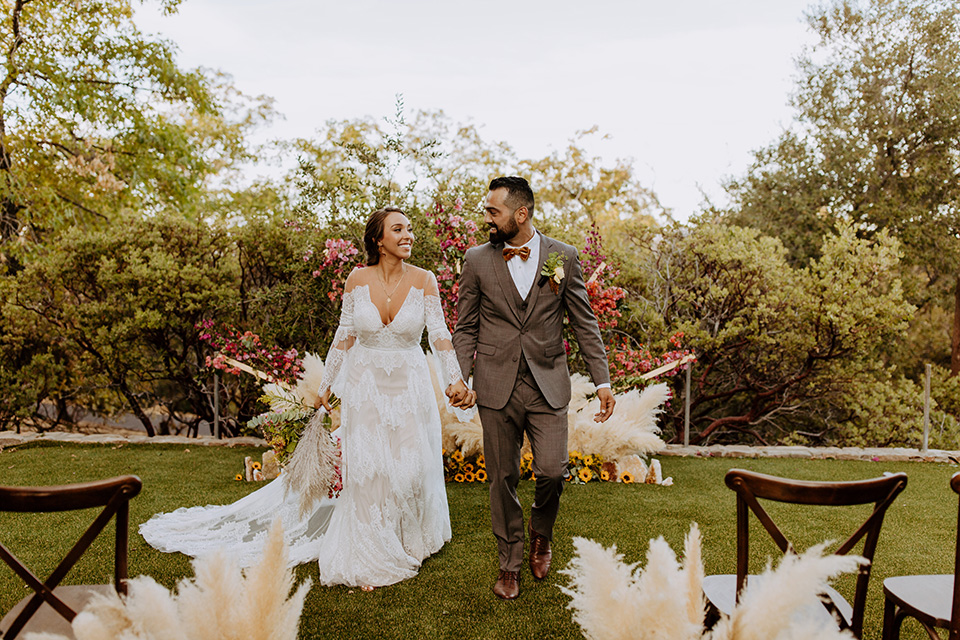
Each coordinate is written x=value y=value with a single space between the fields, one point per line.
x=891 y=621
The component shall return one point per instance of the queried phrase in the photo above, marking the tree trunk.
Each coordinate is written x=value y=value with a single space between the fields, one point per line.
x=955 y=337
x=137 y=409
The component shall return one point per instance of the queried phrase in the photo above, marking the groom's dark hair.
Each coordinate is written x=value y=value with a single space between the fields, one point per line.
x=520 y=193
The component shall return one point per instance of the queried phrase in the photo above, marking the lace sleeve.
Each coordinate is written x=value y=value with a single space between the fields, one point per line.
x=342 y=341
x=440 y=340
x=441 y=345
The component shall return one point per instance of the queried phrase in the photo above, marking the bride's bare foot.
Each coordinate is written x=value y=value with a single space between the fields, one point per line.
x=366 y=588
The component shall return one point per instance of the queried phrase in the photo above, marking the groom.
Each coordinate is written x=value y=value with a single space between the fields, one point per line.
x=510 y=331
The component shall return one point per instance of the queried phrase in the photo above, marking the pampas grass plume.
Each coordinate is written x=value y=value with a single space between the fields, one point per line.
x=612 y=600
x=615 y=601
x=693 y=575
x=768 y=605
x=599 y=591
x=580 y=388
x=632 y=428
x=220 y=603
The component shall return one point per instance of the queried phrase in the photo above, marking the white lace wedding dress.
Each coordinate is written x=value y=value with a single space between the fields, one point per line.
x=392 y=512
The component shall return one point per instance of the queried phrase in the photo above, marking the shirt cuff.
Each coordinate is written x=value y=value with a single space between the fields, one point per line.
x=605 y=385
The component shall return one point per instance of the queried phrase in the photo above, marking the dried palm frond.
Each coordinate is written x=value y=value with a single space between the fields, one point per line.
x=281 y=399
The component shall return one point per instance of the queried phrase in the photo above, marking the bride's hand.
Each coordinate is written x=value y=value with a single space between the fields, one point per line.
x=323 y=401
x=456 y=392
x=469 y=399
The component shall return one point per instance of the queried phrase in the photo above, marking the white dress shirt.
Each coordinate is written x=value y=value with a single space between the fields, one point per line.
x=524 y=272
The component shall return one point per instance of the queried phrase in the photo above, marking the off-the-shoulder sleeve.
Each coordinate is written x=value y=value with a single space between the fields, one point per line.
x=438 y=335
x=342 y=342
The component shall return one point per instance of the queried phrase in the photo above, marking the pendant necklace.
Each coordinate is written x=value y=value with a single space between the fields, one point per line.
x=384 y=287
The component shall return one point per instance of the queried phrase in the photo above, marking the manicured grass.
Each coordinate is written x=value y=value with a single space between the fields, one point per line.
x=451 y=597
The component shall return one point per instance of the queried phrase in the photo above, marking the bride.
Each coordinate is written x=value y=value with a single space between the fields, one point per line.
x=392 y=512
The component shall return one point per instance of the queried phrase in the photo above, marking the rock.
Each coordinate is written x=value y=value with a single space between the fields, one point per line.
x=271 y=469
x=248 y=469
x=654 y=474
x=635 y=466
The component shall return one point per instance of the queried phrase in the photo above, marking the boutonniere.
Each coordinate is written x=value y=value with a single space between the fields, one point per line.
x=553 y=271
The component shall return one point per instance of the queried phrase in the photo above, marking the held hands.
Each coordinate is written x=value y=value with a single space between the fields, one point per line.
x=605 y=395
x=460 y=396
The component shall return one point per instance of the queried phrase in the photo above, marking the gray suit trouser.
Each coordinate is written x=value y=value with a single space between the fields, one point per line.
x=503 y=429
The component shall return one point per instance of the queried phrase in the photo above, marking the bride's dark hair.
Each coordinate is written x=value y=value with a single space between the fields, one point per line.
x=374 y=233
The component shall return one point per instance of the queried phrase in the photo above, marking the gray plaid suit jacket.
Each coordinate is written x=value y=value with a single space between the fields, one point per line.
x=495 y=326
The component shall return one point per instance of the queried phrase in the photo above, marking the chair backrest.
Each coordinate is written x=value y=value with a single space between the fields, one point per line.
x=954 y=633
x=751 y=486
x=113 y=495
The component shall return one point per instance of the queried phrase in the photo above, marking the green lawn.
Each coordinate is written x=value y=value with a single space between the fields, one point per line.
x=451 y=596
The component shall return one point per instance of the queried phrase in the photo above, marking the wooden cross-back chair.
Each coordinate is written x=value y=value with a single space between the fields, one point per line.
x=934 y=601
x=58 y=605
x=723 y=591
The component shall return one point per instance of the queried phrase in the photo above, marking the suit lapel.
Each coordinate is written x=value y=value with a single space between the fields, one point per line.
x=545 y=246
x=503 y=277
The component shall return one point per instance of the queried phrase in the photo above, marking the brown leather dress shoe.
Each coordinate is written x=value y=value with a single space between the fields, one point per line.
x=540 y=555
x=508 y=585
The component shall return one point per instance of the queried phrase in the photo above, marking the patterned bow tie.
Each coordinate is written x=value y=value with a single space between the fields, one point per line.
x=509 y=252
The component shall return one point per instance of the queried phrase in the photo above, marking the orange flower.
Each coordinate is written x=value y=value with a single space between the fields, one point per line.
x=626 y=477
x=481 y=476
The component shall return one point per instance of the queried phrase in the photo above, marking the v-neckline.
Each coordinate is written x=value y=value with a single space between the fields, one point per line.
x=399 y=309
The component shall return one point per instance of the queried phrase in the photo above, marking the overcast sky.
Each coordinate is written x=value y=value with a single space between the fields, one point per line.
x=684 y=89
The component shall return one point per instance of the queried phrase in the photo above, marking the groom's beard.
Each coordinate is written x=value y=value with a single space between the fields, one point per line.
x=500 y=235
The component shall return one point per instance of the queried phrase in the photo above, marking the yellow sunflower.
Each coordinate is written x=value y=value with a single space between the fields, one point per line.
x=626 y=477
x=458 y=477
x=238 y=477
x=469 y=477
x=604 y=475
x=588 y=460
x=458 y=455
x=585 y=474
x=575 y=456
x=256 y=465
x=528 y=456
x=481 y=475
x=467 y=468
x=481 y=462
